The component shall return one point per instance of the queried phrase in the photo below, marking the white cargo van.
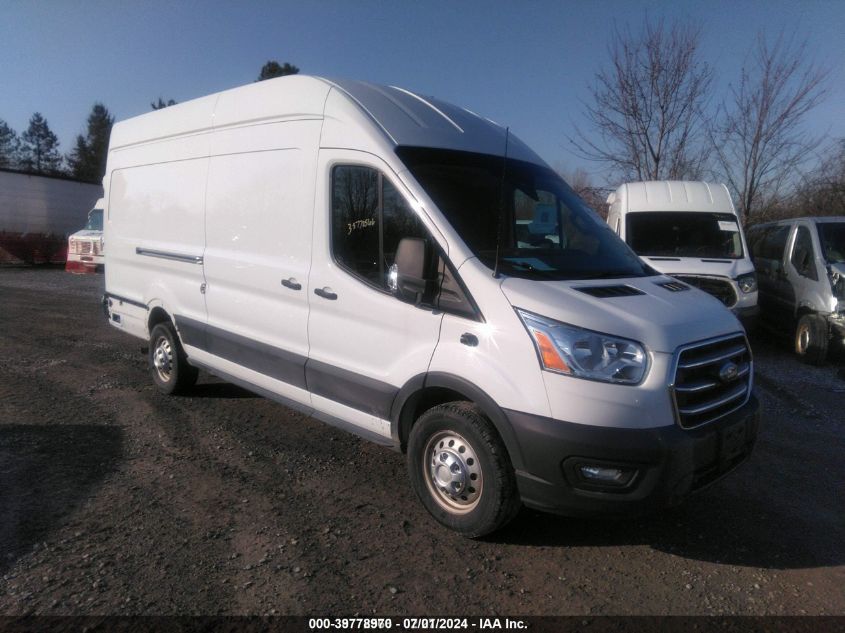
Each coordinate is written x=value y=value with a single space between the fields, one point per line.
x=407 y=270
x=689 y=230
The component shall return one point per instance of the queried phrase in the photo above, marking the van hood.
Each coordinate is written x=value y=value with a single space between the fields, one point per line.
x=697 y=266
x=659 y=318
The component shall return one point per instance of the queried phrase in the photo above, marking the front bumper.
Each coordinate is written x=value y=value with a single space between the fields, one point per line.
x=81 y=264
x=671 y=462
x=746 y=315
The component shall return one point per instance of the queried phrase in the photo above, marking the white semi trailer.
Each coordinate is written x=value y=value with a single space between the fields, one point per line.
x=38 y=212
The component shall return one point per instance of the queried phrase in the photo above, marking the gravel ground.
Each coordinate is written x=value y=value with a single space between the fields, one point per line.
x=115 y=499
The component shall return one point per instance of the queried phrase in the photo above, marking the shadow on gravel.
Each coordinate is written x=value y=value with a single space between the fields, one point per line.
x=45 y=473
x=219 y=390
x=725 y=526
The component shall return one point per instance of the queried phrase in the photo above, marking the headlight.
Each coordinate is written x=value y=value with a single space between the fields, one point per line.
x=573 y=351
x=747 y=283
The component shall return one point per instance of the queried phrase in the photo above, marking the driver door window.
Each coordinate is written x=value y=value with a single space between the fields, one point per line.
x=369 y=217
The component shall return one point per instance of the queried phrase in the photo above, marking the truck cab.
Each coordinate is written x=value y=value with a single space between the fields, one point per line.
x=85 y=247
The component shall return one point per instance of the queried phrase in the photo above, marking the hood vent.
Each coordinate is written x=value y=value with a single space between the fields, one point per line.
x=603 y=292
x=672 y=286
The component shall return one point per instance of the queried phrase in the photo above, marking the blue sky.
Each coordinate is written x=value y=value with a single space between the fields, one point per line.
x=524 y=64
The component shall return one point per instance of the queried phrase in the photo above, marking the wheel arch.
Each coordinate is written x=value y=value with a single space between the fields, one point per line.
x=424 y=391
x=157 y=315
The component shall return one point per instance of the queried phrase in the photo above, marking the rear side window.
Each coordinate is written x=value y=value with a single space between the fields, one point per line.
x=802 y=254
x=369 y=217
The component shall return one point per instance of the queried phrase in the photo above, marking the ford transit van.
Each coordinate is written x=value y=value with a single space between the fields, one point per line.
x=404 y=269
x=801 y=267
x=689 y=230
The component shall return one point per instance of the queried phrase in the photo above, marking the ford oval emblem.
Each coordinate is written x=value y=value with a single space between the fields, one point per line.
x=728 y=372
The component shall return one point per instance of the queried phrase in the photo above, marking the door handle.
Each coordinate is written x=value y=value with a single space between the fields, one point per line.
x=292 y=283
x=325 y=293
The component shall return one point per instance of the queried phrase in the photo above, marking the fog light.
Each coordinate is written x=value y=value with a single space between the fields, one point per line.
x=605 y=475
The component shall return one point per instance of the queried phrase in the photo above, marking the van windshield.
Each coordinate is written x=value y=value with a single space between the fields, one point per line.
x=547 y=232
x=832 y=239
x=684 y=234
x=95 y=220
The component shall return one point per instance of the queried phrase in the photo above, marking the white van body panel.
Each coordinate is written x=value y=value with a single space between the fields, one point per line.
x=155 y=215
x=504 y=363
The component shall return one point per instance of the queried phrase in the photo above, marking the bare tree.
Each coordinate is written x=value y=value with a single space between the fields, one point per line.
x=758 y=139
x=582 y=184
x=646 y=108
x=822 y=191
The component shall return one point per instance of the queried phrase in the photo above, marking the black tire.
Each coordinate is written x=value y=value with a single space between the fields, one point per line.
x=457 y=435
x=811 y=339
x=167 y=361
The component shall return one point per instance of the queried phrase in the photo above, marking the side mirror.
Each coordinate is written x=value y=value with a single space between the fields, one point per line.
x=411 y=277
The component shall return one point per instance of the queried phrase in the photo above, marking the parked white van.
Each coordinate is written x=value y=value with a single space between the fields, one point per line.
x=690 y=231
x=358 y=252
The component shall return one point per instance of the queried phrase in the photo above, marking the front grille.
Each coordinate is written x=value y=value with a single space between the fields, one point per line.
x=96 y=246
x=719 y=287
x=85 y=248
x=712 y=379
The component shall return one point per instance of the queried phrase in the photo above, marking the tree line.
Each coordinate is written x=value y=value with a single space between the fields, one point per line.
x=654 y=113
x=36 y=150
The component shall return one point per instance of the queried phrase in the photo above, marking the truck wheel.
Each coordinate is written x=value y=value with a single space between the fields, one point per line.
x=460 y=470
x=168 y=364
x=811 y=339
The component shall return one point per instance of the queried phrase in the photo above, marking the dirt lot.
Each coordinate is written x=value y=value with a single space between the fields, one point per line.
x=117 y=500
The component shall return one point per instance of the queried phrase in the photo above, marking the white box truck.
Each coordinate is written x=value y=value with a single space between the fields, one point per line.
x=360 y=252
x=690 y=231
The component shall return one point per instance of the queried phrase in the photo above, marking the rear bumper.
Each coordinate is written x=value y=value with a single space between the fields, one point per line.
x=671 y=462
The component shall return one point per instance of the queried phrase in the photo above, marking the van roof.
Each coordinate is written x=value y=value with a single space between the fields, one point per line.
x=818 y=219
x=673 y=195
x=402 y=117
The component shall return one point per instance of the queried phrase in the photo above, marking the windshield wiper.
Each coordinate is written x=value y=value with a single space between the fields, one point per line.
x=548 y=274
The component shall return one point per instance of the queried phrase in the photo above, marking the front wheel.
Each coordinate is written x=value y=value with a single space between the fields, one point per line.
x=811 y=339
x=460 y=470
x=168 y=363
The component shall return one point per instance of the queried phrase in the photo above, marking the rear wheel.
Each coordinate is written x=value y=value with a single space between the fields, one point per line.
x=168 y=363
x=460 y=470
x=811 y=339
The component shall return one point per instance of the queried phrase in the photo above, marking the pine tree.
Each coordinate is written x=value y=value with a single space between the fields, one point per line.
x=39 y=148
x=8 y=145
x=88 y=159
x=273 y=69
x=161 y=103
